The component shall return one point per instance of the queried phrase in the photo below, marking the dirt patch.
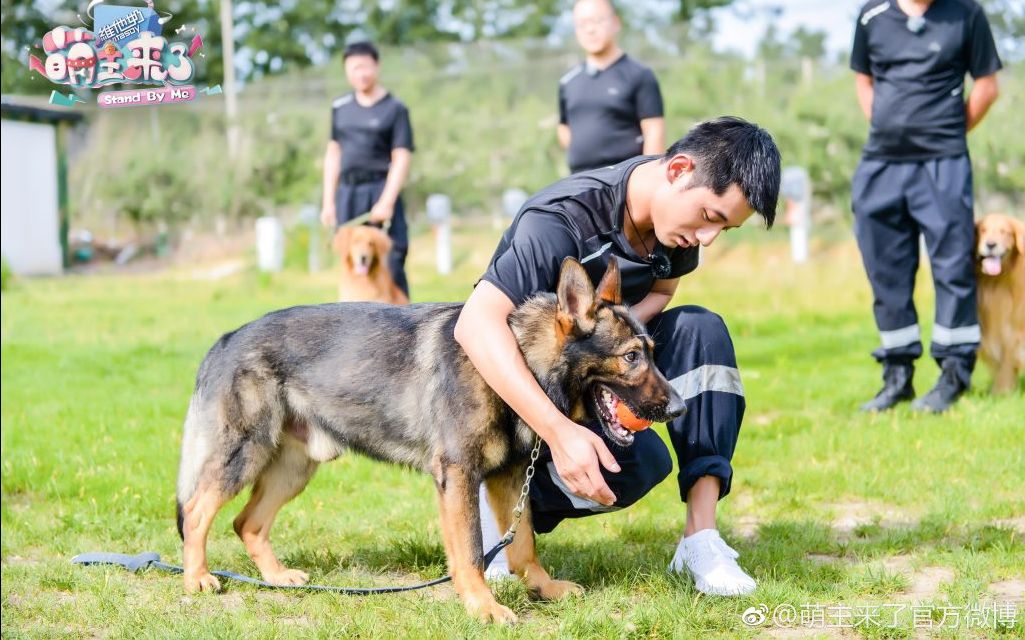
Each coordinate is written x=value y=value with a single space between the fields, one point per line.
x=925 y=584
x=851 y=516
x=19 y=560
x=1018 y=524
x=743 y=523
x=1008 y=591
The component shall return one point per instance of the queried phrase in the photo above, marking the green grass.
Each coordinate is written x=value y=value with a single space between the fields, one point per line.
x=97 y=373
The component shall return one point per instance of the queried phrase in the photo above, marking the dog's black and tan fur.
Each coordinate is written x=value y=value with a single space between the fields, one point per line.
x=299 y=386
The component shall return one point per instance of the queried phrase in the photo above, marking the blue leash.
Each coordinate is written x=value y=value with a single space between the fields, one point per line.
x=150 y=559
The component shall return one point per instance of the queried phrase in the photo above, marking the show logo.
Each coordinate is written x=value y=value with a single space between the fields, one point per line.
x=125 y=46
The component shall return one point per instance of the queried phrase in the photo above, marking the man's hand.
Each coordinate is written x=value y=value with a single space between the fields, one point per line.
x=328 y=217
x=382 y=211
x=864 y=87
x=984 y=93
x=577 y=452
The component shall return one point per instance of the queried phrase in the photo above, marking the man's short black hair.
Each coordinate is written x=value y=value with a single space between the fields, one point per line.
x=363 y=48
x=731 y=150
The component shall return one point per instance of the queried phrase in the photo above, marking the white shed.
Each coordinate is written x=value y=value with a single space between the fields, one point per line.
x=33 y=191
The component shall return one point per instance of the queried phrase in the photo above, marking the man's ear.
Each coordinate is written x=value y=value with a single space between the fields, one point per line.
x=679 y=165
x=576 y=298
x=609 y=289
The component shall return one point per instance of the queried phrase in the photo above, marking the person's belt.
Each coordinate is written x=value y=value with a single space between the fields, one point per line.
x=360 y=176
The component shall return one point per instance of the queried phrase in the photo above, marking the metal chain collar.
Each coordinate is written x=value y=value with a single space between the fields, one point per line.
x=521 y=504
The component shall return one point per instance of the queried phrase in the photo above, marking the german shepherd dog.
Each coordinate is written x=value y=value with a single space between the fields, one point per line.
x=299 y=386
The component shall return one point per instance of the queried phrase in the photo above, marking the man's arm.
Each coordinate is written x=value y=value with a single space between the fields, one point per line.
x=485 y=336
x=864 y=85
x=655 y=302
x=398 y=171
x=654 y=132
x=985 y=91
x=332 y=169
x=562 y=133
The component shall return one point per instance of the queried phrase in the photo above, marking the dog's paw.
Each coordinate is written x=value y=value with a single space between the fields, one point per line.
x=492 y=612
x=201 y=582
x=287 y=577
x=557 y=589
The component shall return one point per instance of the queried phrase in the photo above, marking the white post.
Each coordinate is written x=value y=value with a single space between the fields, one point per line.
x=443 y=248
x=439 y=212
x=308 y=216
x=512 y=202
x=796 y=187
x=270 y=244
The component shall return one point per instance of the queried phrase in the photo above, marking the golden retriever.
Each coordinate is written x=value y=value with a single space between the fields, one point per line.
x=1000 y=268
x=363 y=251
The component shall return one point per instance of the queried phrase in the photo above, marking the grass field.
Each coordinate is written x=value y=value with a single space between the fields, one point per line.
x=830 y=509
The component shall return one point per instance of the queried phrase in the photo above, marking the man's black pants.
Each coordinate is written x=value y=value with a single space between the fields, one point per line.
x=894 y=203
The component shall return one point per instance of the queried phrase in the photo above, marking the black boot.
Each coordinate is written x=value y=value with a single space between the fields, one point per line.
x=897 y=387
x=951 y=386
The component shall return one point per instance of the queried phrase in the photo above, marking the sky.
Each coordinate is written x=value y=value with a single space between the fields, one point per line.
x=743 y=32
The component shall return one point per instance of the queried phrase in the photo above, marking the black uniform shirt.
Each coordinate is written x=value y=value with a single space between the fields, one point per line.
x=368 y=134
x=918 y=109
x=580 y=216
x=604 y=109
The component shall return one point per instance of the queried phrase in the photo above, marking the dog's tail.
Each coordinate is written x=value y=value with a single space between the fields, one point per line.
x=196 y=448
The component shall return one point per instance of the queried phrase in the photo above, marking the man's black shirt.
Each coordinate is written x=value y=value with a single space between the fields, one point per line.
x=604 y=108
x=580 y=216
x=918 y=108
x=368 y=135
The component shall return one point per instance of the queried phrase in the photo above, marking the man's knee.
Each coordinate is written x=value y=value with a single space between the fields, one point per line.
x=650 y=463
x=694 y=330
x=693 y=319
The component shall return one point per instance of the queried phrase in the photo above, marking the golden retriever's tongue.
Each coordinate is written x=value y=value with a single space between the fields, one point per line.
x=361 y=269
x=991 y=266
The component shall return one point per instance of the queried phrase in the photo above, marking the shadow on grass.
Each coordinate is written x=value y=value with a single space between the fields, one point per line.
x=804 y=553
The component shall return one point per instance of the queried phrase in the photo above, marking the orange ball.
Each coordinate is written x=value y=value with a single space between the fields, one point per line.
x=629 y=420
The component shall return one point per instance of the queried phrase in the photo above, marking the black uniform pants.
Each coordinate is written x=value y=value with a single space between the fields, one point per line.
x=894 y=203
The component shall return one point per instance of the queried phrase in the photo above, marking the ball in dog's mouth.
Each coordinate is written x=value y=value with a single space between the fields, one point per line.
x=616 y=417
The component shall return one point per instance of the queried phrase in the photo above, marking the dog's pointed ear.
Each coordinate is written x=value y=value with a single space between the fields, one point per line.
x=609 y=289
x=340 y=243
x=576 y=298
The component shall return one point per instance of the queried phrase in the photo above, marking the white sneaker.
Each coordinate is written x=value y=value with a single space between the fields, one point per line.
x=712 y=564
x=499 y=567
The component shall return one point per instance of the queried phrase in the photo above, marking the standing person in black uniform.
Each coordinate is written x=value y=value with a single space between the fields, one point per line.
x=915 y=177
x=367 y=159
x=650 y=214
x=610 y=106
